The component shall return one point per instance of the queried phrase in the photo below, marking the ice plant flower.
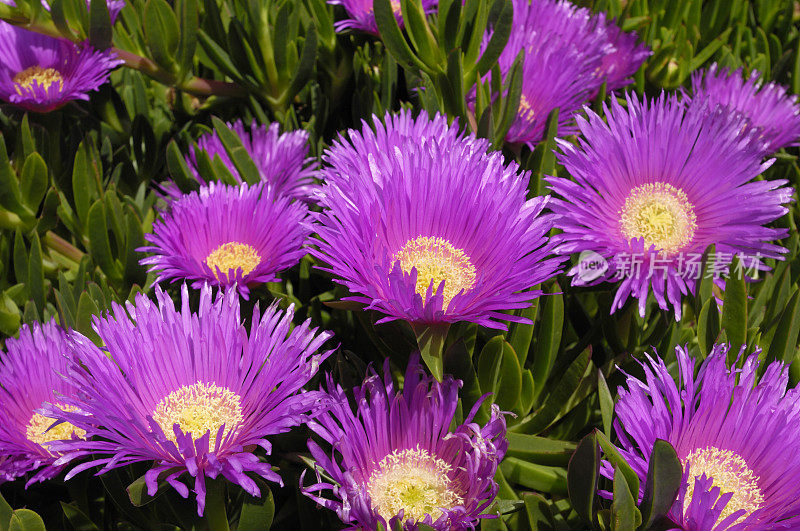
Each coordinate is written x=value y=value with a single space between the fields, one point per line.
x=114 y=6
x=227 y=235
x=282 y=159
x=192 y=392
x=429 y=227
x=362 y=17
x=657 y=185
x=569 y=53
x=41 y=73
x=736 y=437
x=768 y=109
x=626 y=56
x=395 y=460
x=31 y=376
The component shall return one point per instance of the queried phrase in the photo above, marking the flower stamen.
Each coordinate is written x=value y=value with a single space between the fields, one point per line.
x=729 y=472
x=231 y=257
x=38 y=432
x=198 y=409
x=660 y=214
x=415 y=482
x=437 y=261
x=44 y=77
x=525 y=111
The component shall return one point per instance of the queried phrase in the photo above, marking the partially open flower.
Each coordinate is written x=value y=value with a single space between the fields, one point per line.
x=282 y=159
x=768 y=109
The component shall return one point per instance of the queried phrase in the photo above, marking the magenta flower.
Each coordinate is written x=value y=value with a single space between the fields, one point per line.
x=41 y=73
x=395 y=461
x=227 y=236
x=656 y=184
x=31 y=377
x=627 y=55
x=282 y=159
x=190 y=392
x=422 y=224
x=362 y=17
x=737 y=439
x=569 y=53
x=114 y=6
x=771 y=112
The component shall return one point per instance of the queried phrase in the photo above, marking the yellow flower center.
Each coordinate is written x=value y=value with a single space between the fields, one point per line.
x=231 y=256
x=43 y=76
x=661 y=214
x=197 y=409
x=731 y=474
x=525 y=111
x=437 y=261
x=413 y=481
x=38 y=433
x=396 y=8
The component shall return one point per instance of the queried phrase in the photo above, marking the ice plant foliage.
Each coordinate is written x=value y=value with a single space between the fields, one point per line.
x=736 y=437
x=282 y=159
x=191 y=392
x=422 y=224
x=655 y=186
x=569 y=53
x=31 y=377
x=395 y=460
x=362 y=16
x=41 y=73
x=768 y=109
x=227 y=235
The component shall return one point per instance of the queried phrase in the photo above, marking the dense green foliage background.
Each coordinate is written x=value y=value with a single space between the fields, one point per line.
x=77 y=195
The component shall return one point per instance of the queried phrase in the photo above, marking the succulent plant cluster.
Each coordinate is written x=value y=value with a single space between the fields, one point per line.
x=399 y=264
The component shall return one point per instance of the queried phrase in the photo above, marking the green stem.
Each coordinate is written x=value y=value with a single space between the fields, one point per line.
x=215 y=513
x=194 y=85
x=60 y=245
x=210 y=87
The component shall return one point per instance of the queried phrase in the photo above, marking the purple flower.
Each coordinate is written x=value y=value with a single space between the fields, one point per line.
x=282 y=159
x=114 y=6
x=30 y=377
x=626 y=57
x=422 y=224
x=767 y=109
x=569 y=54
x=395 y=460
x=654 y=187
x=738 y=440
x=226 y=236
x=191 y=392
x=41 y=73
x=362 y=17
